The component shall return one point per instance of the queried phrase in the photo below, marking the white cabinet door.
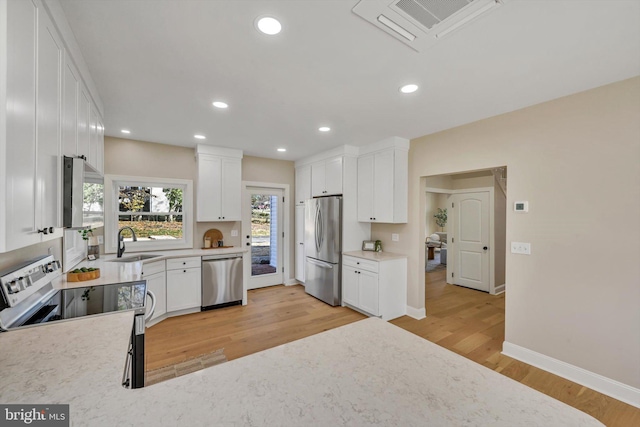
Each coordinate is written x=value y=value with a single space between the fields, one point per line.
x=183 y=289
x=20 y=142
x=157 y=283
x=48 y=117
x=209 y=188
x=333 y=176
x=84 y=119
x=350 y=286
x=71 y=89
x=92 y=158
x=303 y=184
x=318 y=179
x=368 y=291
x=365 y=188
x=100 y=160
x=299 y=240
x=231 y=190
x=383 y=180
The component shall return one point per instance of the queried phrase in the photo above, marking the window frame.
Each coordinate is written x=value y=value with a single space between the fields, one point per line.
x=111 y=212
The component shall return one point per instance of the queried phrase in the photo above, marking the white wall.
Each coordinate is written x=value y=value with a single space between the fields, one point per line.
x=577 y=161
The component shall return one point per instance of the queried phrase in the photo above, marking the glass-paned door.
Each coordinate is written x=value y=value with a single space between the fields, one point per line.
x=266 y=237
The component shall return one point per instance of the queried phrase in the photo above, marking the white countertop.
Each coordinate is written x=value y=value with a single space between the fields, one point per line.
x=366 y=373
x=375 y=256
x=123 y=272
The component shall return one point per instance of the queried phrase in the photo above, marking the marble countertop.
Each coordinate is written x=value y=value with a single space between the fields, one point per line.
x=366 y=373
x=375 y=256
x=123 y=272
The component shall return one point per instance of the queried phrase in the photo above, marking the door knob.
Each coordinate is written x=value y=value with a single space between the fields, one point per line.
x=248 y=244
x=485 y=248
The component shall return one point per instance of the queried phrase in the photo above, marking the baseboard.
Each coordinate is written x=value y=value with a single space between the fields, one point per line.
x=597 y=382
x=290 y=282
x=499 y=289
x=416 y=313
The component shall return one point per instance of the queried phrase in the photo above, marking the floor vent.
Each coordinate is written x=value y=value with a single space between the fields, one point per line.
x=420 y=23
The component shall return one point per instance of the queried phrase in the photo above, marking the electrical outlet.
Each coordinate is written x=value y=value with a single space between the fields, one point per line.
x=395 y=237
x=234 y=233
x=101 y=240
x=521 y=248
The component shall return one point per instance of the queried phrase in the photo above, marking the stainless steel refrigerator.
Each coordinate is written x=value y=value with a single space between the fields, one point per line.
x=323 y=249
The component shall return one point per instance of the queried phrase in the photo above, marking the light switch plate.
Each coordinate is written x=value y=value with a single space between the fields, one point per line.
x=101 y=240
x=234 y=233
x=395 y=237
x=521 y=248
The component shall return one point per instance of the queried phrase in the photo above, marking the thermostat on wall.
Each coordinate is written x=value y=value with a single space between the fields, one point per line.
x=521 y=206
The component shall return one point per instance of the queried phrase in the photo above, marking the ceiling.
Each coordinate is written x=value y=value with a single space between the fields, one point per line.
x=159 y=64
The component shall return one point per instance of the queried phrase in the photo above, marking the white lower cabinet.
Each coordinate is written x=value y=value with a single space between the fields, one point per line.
x=184 y=289
x=377 y=287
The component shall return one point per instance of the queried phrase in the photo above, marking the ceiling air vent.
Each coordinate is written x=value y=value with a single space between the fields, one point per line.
x=420 y=23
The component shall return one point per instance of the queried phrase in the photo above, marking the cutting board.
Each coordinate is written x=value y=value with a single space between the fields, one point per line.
x=214 y=234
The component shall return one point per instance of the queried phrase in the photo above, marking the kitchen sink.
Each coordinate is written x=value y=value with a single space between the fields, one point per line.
x=134 y=258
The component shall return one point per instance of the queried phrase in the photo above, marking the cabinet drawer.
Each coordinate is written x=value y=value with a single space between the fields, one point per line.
x=360 y=263
x=152 y=268
x=182 y=263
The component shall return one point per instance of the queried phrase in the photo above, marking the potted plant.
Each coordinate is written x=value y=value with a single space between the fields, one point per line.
x=93 y=248
x=441 y=218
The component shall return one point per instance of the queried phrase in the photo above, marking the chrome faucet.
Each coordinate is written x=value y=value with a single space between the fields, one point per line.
x=121 y=240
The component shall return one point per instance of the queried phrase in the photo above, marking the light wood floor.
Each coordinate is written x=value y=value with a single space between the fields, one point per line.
x=273 y=316
x=469 y=322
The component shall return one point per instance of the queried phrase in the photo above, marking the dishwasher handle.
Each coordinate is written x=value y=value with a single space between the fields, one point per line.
x=221 y=257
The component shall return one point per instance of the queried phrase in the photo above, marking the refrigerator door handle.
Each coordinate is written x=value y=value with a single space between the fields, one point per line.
x=320 y=263
x=316 y=229
x=321 y=224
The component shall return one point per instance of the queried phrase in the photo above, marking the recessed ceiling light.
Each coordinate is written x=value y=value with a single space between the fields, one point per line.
x=324 y=129
x=409 y=88
x=220 y=104
x=268 y=25
x=282 y=150
x=199 y=137
x=125 y=131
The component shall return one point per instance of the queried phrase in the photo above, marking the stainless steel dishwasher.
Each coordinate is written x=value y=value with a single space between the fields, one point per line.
x=221 y=280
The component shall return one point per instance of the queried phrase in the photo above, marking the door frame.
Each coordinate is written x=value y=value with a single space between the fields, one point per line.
x=451 y=247
x=246 y=228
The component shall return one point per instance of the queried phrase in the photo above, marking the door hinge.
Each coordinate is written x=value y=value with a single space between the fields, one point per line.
x=283 y=200
x=283 y=234
x=283 y=269
x=452 y=205
x=452 y=274
x=453 y=239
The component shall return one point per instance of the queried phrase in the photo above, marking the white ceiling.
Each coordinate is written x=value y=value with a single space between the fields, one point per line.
x=158 y=65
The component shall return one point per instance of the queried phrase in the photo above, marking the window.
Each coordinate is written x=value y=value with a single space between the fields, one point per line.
x=158 y=210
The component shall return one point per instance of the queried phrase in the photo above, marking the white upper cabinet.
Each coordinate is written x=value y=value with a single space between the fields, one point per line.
x=32 y=170
x=383 y=182
x=82 y=129
x=303 y=184
x=219 y=184
x=70 y=97
x=41 y=115
x=326 y=177
x=48 y=117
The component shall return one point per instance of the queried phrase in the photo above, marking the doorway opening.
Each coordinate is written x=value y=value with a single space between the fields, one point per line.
x=465 y=229
x=265 y=233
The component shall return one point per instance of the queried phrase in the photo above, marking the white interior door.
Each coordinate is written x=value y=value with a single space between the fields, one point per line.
x=263 y=222
x=470 y=215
